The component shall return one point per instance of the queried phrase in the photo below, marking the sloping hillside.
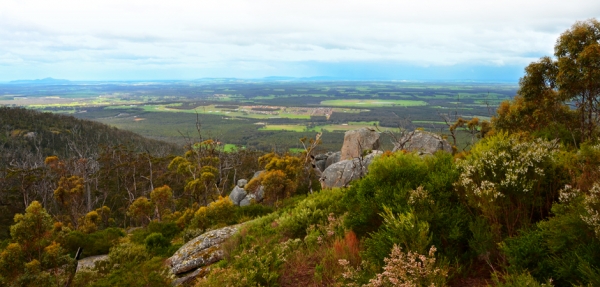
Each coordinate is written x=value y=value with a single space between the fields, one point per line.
x=24 y=132
x=28 y=137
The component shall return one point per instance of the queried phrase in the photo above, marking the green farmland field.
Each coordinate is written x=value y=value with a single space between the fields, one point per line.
x=319 y=128
x=373 y=103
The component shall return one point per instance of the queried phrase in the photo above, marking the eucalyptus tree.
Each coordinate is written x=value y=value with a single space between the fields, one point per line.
x=577 y=54
x=550 y=85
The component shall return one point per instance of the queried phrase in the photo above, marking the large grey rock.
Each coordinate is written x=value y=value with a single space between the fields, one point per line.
x=257 y=196
x=332 y=158
x=241 y=183
x=321 y=164
x=201 y=251
x=422 y=142
x=341 y=173
x=322 y=156
x=237 y=195
x=356 y=141
x=247 y=200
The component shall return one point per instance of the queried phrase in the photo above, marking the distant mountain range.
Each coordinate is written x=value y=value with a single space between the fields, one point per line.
x=44 y=81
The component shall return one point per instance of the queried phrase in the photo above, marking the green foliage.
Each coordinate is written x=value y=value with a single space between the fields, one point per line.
x=35 y=258
x=259 y=253
x=168 y=229
x=484 y=240
x=510 y=181
x=32 y=230
x=141 y=272
x=538 y=108
x=498 y=203
x=389 y=180
x=11 y=263
x=140 y=210
x=582 y=165
x=157 y=243
x=403 y=230
x=281 y=178
x=199 y=165
x=96 y=243
x=258 y=261
x=408 y=185
x=162 y=199
x=519 y=280
x=549 y=84
x=561 y=247
x=218 y=213
x=253 y=211
x=577 y=52
x=315 y=209
x=127 y=253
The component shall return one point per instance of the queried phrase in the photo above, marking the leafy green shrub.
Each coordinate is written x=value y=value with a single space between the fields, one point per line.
x=156 y=243
x=562 y=247
x=255 y=266
x=218 y=213
x=483 y=240
x=519 y=280
x=404 y=230
x=406 y=183
x=104 y=239
x=150 y=272
x=315 y=209
x=167 y=229
x=281 y=178
x=253 y=211
x=257 y=254
x=75 y=239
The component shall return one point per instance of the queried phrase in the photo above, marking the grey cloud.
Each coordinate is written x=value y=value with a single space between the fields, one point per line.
x=210 y=33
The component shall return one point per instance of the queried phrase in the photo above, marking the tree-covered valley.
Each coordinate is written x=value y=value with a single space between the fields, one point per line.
x=512 y=199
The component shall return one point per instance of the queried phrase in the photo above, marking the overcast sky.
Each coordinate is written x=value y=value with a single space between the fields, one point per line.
x=367 y=39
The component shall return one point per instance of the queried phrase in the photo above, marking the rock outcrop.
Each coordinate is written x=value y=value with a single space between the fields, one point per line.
x=332 y=158
x=238 y=193
x=422 y=142
x=320 y=161
x=257 y=196
x=341 y=173
x=239 y=196
x=324 y=160
x=201 y=251
x=356 y=141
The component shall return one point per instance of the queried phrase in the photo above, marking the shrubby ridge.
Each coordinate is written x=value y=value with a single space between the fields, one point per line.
x=521 y=207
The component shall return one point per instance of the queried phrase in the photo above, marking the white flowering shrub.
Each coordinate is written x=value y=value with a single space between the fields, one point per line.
x=509 y=180
x=591 y=204
x=411 y=270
